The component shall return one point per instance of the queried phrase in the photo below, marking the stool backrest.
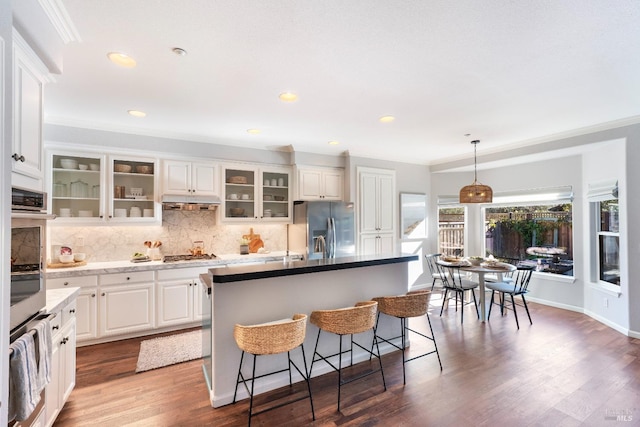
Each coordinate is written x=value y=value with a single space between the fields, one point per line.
x=431 y=263
x=271 y=338
x=350 y=320
x=521 y=279
x=413 y=304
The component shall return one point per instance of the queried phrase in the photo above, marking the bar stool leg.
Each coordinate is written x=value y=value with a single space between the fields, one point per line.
x=308 y=380
x=340 y=371
x=403 y=327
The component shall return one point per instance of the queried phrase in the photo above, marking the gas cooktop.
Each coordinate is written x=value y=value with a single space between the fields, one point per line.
x=187 y=257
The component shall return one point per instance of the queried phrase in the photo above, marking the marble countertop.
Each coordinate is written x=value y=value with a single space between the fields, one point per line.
x=92 y=268
x=59 y=298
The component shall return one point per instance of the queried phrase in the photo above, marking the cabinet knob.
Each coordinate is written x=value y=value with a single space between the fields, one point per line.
x=93 y=295
x=66 y=283
x=102 y=294
x=55 y=328
x=17 y=157
x=128 y=278
x=73 y=310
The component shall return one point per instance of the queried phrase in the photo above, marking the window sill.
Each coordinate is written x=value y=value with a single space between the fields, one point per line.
x=607 y=288
x=554 y=277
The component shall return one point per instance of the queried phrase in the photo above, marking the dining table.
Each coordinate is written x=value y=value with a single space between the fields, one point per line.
x=498 y=268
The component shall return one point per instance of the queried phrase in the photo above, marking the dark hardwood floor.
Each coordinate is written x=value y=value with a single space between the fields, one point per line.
x=564 y=370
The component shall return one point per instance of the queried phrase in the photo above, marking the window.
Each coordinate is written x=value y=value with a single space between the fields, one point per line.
x=608 y=247
x=532 y=229
x=451 y=230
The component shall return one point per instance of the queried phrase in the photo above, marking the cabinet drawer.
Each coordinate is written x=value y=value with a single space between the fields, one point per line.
x=123 y=278
x=55 y=323
x=76 y=282
x=69 y=312
x=182 y=273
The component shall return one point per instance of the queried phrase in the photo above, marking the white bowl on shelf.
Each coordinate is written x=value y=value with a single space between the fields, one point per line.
x=83 y=167
x=94 y=167
x=69 y=163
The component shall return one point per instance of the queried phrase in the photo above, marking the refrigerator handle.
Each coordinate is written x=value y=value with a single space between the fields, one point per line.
x=329 y=238
x=332 y=243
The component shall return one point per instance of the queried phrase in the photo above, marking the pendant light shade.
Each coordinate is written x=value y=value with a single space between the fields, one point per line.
x=476 y=192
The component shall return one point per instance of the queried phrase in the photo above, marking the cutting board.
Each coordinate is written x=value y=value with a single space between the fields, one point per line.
x=66 y=264
x=255 y=242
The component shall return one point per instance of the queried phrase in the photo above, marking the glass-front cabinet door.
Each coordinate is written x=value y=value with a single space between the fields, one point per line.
x=276 y=195
x=257 y=194
x=76 y=186
x=133 y=189
x=240 y=194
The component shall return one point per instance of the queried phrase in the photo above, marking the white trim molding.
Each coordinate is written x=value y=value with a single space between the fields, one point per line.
x=60 y=19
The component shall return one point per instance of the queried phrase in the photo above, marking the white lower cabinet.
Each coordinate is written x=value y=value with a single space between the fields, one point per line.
x=179 y=296
x=377 y=244
x=63 y=362
x=126 y=303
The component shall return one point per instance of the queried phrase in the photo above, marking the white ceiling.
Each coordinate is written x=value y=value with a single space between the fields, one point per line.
x=510 y=73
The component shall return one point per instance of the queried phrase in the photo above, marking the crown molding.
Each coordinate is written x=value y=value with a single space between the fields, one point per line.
x=60 y=19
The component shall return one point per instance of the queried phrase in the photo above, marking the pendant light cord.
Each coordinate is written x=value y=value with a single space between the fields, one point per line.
x=475 y=161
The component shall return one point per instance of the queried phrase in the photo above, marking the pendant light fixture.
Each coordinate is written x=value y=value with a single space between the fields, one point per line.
x=476 y=192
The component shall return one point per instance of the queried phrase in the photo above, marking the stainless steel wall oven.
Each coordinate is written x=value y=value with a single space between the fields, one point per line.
x=28 y=235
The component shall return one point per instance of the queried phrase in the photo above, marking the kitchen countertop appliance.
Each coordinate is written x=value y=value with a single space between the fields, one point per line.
x=323 y=229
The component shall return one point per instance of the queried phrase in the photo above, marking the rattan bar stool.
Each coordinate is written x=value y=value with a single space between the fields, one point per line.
x=413 y=304
x=347 y=321
x=272 y=338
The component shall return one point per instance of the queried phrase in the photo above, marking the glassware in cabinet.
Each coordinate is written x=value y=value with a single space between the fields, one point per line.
x=239 y=193
x=73 y=178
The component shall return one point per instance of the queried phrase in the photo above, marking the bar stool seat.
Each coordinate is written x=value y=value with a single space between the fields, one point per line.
x=413 y=304
x=268 y=339
x=347 y=321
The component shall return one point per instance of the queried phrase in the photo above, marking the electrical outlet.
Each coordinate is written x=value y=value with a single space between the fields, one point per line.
x=606 y=303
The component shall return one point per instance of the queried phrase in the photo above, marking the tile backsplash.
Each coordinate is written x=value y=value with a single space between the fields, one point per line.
x=178 y=231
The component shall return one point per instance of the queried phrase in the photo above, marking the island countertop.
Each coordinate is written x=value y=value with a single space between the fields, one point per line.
x=238 y=273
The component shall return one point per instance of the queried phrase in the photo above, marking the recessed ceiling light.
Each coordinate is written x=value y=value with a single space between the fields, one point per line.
x=179 y=51
x=121 y=59
x=137 y=113
x=334 y=142
x=387 y=119
x=288 y=97
x=253 y=131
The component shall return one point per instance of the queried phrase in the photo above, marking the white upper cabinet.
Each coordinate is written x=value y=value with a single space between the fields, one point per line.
x=94 y=188
x=190 y=178
x=320 y=184
x=29 y=78
x=256 y=193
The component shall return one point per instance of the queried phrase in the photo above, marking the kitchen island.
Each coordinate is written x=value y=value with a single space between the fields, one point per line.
x=263 y=293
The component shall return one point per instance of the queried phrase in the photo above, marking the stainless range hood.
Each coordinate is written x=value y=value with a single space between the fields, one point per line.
x=179 y=202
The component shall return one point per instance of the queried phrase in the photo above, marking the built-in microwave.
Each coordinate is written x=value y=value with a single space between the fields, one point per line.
x=28 y=200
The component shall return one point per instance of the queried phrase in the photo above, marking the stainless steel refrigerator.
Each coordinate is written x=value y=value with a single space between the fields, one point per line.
x=323 y=229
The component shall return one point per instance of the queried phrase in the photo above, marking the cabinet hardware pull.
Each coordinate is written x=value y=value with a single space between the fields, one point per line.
x=55 y=328
x=93 y=295
x=102 y=294
x=16 y=157
x=65 y=283
x=128 y=278
x=73 y=310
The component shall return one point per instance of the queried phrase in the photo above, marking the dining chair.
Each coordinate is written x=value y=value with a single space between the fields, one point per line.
x=517 y=286
x=454 y=282
x=436 y=275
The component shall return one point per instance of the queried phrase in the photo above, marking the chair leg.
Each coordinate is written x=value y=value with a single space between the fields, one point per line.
x=308 y=379
x=402 y=334
x=433 y=337
x=515 y=313
x=490 y=305
x=444 y=299
x=475 y=303
x=526 y=307
x=462 y=310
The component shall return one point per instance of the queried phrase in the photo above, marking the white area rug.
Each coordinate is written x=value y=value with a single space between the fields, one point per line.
x=169 y=350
